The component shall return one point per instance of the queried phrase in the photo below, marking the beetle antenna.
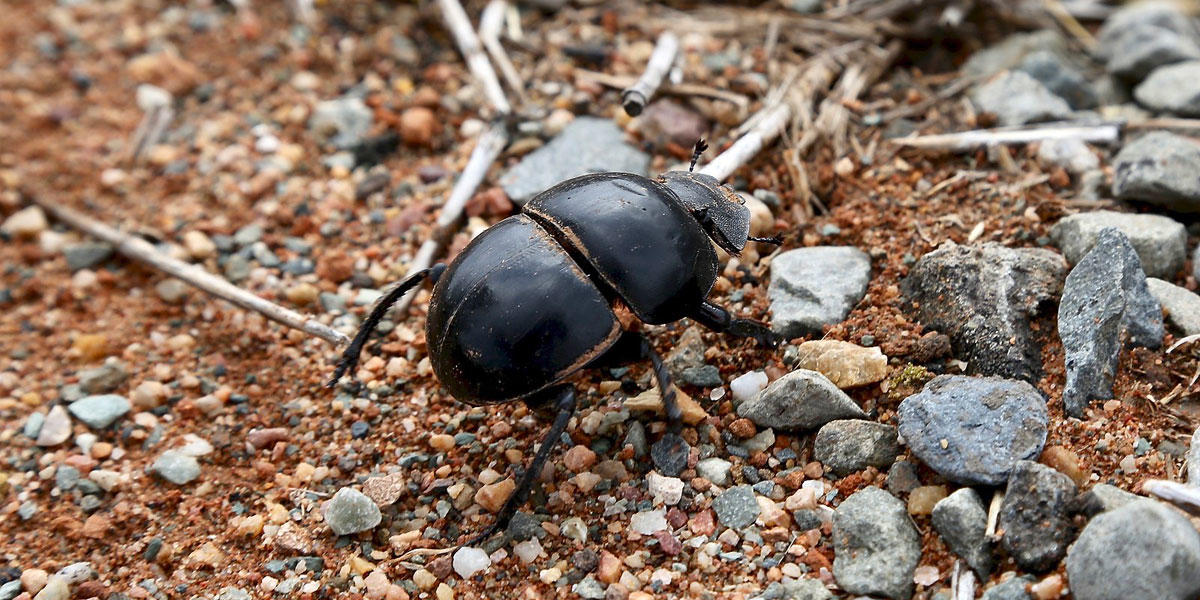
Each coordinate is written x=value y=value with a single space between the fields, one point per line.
x=701 y=146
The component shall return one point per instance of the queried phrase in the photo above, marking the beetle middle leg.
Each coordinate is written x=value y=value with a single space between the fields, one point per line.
x=634 y=347
x=718 y=319
x=563 y=399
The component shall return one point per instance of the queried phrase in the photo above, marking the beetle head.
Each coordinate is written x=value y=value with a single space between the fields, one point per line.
x=717 y=207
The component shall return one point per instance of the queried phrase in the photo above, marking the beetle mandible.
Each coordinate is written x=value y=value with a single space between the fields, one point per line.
x=530 y=300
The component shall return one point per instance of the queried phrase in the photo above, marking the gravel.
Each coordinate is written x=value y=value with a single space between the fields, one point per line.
x=342 y=121
x=1140 y=550
x=469 y=561
x=103 y=379
x=972 y=430
x=1016 y=98
x=876 y=547
x=851 y=445
x=961 y=520
x=736 y=507
x=985 y=297
x=670 y=455
x=846 y=365
x=1181 y=305
x=351 y=511
x=1105 y=298
x=800 y=400
x=56 y=427
x=1159 y=168
x=1035 y=516
x=176 y=467
x=715 y=470
x=814 y=287
x=86 y=255
x=1160 y=242
x=100 y=411
x=586 y=145
x=1010 y=589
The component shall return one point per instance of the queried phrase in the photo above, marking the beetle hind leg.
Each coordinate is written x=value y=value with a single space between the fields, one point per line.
x=634 y=347
x=718 y=319
x=564 y=402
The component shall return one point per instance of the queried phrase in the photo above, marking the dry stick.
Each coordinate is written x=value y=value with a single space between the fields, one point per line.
x=682 y=89
x=490 y=24
x=1068 y=22
x=635 y=97
x=747 y=146
x=965 y=141
x=141 y=251
x=1186 y=497
x=953 y=89
x=962 y=582
x=156 y=104
x=472 y=51
x=994 y=513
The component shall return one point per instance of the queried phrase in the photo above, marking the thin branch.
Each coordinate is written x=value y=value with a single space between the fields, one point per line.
x=962 y=582
x=635 y=97
x=141 y=251
x=769 y=128
x=1186 y=497
x=491 y=143
x=966 y=141
x=155 y=103
x=468 y=43
x=682 y=89
x=994 y=513
x=490 y=24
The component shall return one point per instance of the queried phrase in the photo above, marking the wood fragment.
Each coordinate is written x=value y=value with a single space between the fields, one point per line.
x=994 y=513
x=491 y=22
x=472 y=50
x=966 y=141
x=680 y=89
x=155 y=103
x=747 y=146
x=635 y=97
x=951 y=90
x=1067 y=21
x=1186 y=497
x=962 y=582
x=141 y=251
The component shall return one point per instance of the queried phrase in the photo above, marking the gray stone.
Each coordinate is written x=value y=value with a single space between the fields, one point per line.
x=984 y=297
x=1016 y=99
x=33 y=425
x=9 y=590
x=1144 y=36
x=1173 y=88
x=171 y=291
x=1035 y=516
x=100 y=411
x=670 y=454
x=972 y=430
x=876 y=547
x=66 y=477
x=851 y=445
x=248 y=234
x=351 y=511
x=1160 y=242
x=233 y=593
x=814 y=287
x=715 y=470
x=705 y=376
x=103 y=379
x=586 y=145
x=1102 y=498
x=688 y=353
x=902 y=478
x=1104 y=298
x=805 y=589
x=1159 y=168
x=236 y=268
x=176 y=467
x=961 y=520
x=1010 y=589
x=736 y=507
x=342 y=121
x=1181 y=305
x=1009 y=53
x=589 y=588
x=1141 y=550
x=1069 y=153
x=86 y=255
x=1062 y=79
x=800 y=400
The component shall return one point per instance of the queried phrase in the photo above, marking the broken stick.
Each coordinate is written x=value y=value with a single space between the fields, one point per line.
x=490 y=24
x=635 y=97
x=141 y=251
x=477 y=61
x=966 y=141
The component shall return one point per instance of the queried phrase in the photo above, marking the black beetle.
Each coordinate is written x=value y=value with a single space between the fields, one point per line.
x=530 y=300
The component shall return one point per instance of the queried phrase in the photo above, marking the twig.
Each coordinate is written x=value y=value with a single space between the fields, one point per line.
x=962 y=582
x=682 y=89
x=490 y=24
x=1165 y=123
x=951 y=90
x=1068 y=22
x=472 y=51
x=155 y=103
x=750 y=144
x=141 y=251
x=965 y=141
x=491 y=143
x=1186 y=497
x=833 y=118
x=994 y=513
x=635 y=97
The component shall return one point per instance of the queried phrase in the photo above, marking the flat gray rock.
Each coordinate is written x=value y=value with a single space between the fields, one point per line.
x=984 y=297
x=972 y=430
x=800 y=400
x=1061 y=78
x=961 y=520
x=1012 y=50
x=851 y=445
x=176 y=467
x=1140 y=550
x=1159 y=168
x=100 y=411
x=814 y=287
x=1016 y=98
x=1143 y=36
x=1181 y=305
x=1160 y=242
x=736 y=507
x=86 y=255
x=1105 y=298
x=1036 y=516
x=103 y=379
x=351 y=511
x=1173 y=88
x=586 y=145
x=876 y=547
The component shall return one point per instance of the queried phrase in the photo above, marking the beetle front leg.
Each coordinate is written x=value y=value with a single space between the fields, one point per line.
x=718 y=319
x=565 y=405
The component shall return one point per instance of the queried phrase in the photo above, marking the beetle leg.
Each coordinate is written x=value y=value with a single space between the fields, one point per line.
x=774 y=240
x=350 y=356
x=718 y=319
x=665 y=389
x=633 y=347
x=565 y=404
